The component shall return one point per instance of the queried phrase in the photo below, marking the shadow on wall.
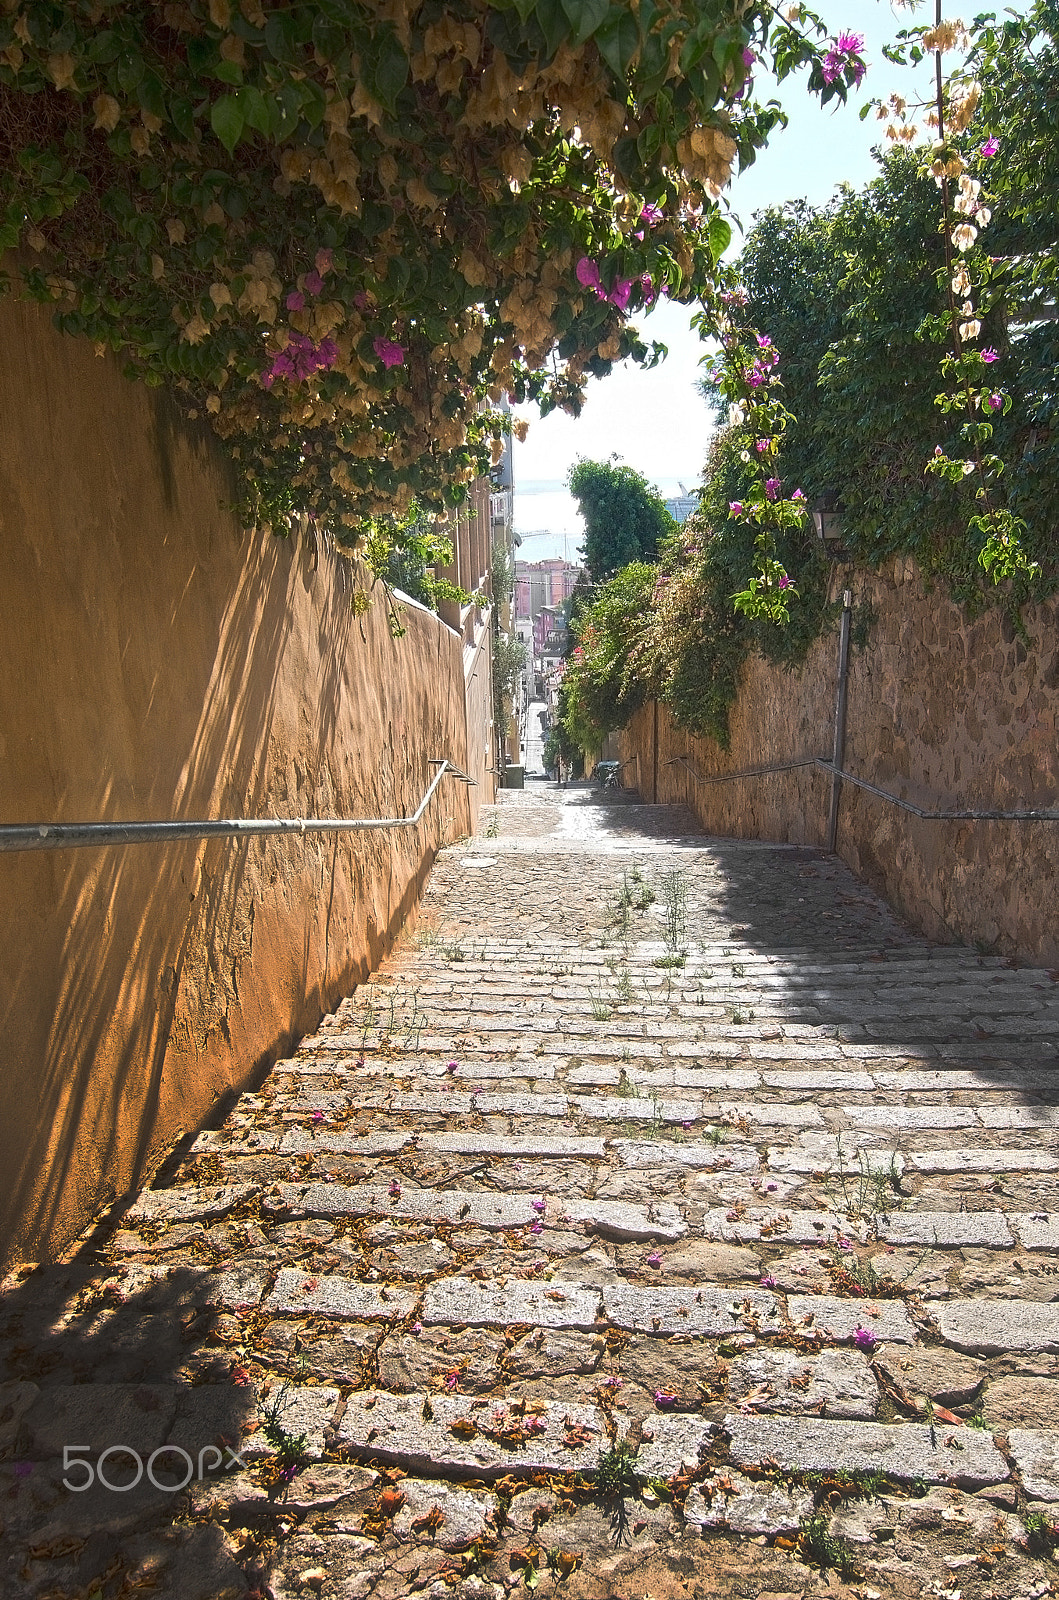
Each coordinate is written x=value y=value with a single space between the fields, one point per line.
x=161 y=663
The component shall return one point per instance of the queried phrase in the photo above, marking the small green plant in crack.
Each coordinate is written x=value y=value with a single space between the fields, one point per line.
x=675 y=959
x=454 y=952
x=623 y=987
x=493 y=829
x=874 y=1189
x=616 y=1478
x=818 y=1547
x=291 y=1454
x=715 y=1133
x=1041 y=1533
x=600 y=1009
x=674 y=889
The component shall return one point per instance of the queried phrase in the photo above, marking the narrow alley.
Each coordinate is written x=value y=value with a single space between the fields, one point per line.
x=662 y=1218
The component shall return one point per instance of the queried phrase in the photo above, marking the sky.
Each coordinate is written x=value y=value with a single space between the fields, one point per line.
x=656 y=421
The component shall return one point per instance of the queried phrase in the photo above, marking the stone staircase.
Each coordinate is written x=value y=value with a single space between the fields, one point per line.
x=662 y=1218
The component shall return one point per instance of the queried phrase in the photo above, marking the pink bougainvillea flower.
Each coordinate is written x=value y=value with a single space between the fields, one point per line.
x=395 y=1189
x=451 y=1067
x=313 y=282
x=318 y=1116
x=688 y=1123
x=845 y=1244
x=452 y=1379
x=764 y=342
x=864 y=1339
x=990 y=148
x=324 y=262
x=768 y=1281
x=647 y=286
x=650 y=214
x=539 y=1205
x=990 y=355
x=735 y=508
x=534 y=1425
x=390 y=354
x=762 y=444
x=362 y=300
x=772 y=487
x=654 y=1259
x=587 y=273
x=748 y=57
x=665 y=1397
x=536 y=1226
x=295 y=301
x=995 y=402
x=612 y=1382
x=785 y=582
x=417 y=1328
x=619 y=295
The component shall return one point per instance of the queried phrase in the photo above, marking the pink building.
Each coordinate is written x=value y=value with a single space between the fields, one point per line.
x=543 y=583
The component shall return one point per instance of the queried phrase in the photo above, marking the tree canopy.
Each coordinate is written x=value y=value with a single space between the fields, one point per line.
x=625 y=519
x=343 y=231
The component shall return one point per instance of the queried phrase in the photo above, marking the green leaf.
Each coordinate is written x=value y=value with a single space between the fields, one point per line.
x=617 y=41
x=554 y=23
x=226 y=120
x=228 y=72
x=255 y=109
x=720 y=236
x=585 y=17
x=391 y=72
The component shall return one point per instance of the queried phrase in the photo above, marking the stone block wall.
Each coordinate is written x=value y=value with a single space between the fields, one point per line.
x=945 y=712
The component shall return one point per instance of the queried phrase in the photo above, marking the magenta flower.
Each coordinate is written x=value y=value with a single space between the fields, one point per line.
x=452 y=1067
x=995 y=402
x=318 y=1116
x=395 y=1189
x=990 y=147
x=850 y=44
x=735 y=508
x=452 y=1379
x=764 y=342
x=587 y=273
x=748 y=57
x=798 y=495
x=772 y=487
x=762 y=444
x=689 y=1122
x=665 y=1397
x=390 y=354
x=295 y=301
x=864 y=1339
x=770 y=1188
x=654 y=1259
x=612 y=1382
x=768 y=1281
x=361 y=300
x=845 y=1244
x=785 y=582
x=990 y=356
x=651 y=214
x=417 y=1328
x=539 y=1206
x=647 y=287
x=313 y=282
x=619 y=295
x=536 y=1226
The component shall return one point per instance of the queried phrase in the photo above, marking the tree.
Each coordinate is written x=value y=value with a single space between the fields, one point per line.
x=342 y=231
x=601 y=694
x=625 y=519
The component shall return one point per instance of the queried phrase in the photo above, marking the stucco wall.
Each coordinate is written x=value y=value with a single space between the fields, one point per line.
x=946 y=713
x=160 y=662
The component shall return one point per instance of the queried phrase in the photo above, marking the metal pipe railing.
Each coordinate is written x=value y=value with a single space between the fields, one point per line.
x=78 y=835
x=1045 y=814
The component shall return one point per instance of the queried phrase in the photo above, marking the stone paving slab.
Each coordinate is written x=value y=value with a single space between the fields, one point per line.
x=838 y=1319
x=441 y=1432
x=466 y=1301
x=835 y=1383
x=708 y=1312
x=189 y=1204
x=298 y=1293
x=746 y=1506
x=1035 y=1452
x=946 y=1230
x=994 y=1327
x=963 y=1456
x=983 y=1160
x=671 y=1443
x=780 y=1226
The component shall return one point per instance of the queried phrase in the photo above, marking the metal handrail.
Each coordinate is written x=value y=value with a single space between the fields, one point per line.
x=1046 y=814
x=77 y=835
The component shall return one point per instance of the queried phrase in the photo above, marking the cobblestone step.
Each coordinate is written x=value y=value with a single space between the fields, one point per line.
x=528 y=1205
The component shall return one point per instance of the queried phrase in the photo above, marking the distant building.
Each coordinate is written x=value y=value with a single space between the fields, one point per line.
x=540 y=584
x=681 y=506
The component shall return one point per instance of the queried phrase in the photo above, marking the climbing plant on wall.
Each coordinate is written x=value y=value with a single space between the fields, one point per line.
x=342 y=231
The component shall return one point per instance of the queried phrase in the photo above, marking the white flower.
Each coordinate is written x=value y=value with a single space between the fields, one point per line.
x=964 y=236
x=961 y=283
x=970 y=330
x=736 y=416
x=982 y=216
